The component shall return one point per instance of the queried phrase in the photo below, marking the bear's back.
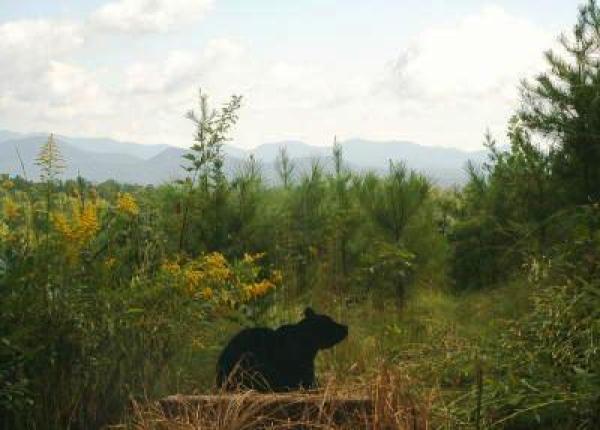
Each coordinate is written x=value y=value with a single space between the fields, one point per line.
x=248 y=350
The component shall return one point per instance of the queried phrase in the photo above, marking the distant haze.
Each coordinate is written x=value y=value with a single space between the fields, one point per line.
x=102 y=159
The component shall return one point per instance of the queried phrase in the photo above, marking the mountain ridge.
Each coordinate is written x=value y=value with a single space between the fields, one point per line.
x=99 y=159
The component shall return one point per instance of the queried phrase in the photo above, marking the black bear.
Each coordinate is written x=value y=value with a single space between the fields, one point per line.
x=264 y=359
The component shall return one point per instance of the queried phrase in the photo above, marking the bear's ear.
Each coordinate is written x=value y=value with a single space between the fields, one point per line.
x=308 y=312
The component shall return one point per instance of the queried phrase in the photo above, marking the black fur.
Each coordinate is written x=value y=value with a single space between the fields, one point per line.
x=264 y=359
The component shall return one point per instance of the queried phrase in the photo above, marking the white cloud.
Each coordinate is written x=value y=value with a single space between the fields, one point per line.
x=222 y=49
x=26 y=49
x=182 y=68
x=454 y=81
x=482 y=54
x=147 y=16
x=23 y=37
x=153 y=96
x=74 y=92
x=41 y=85
x=176 y=70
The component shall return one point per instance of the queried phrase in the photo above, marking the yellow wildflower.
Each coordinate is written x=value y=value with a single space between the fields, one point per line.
x=7 y=184
x=219 y=275
x=247 y=292
x=216 y=267
x=171 y=267
x=215 y=259
x=11 y=210
x=88 y=223
x=276 y=276
x=257 y=289
x=263 y=287
x=207 y=293
x=197 y=343
x=77 y=232
x=251 y=258
x=4 y=231
x=193 y=279
x=127 y=205
x=59 y=220
x=110 y=262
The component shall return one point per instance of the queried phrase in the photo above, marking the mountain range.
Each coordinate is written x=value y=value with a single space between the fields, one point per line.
x=100 y=159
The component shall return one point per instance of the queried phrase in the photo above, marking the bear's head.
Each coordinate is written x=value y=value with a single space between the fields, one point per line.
x=324 y=332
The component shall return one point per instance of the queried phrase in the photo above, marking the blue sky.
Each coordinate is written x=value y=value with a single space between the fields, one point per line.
x=436 y=73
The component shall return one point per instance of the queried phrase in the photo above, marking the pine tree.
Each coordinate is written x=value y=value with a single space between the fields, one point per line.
x=285 y=167
x=212 y=129
x=563 y=106
x=50 y=161
x=51 y=164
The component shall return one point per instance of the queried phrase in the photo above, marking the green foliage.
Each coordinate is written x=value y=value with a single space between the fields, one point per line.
x=531 y=215
x=91 y=315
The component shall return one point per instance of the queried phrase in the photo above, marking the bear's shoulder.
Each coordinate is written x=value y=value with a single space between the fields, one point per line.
x=255 y=331
x=286 y=329
x=251 y=338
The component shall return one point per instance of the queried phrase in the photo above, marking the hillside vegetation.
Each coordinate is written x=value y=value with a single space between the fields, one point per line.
x=470 y=308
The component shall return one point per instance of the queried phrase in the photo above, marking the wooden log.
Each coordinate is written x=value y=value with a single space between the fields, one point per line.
x=267 y=409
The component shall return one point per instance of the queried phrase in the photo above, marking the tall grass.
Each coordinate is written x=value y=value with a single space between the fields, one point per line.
x=418 y=367
x=389 y=401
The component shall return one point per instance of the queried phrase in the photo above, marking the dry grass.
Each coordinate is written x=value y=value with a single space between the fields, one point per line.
x=389 y=401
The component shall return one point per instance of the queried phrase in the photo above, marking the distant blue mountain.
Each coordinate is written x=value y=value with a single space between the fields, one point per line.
x=268 y=152
x=99 y=159
x=108 y=146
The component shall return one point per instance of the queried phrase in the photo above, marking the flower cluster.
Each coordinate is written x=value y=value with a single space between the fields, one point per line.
x=193 y=279
x=4 y=231
x=252 y=258
x=88 y=223
x=127 y=205
x=276 y=277
x=256 y=290
x=10 y=208
x=207 y=293
x=110 y=262
x=216 y=267
x=77 y=230
x=171 y=267
x=82 y=227
x=7 y=184
x=62 y=226
x=212 y=278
